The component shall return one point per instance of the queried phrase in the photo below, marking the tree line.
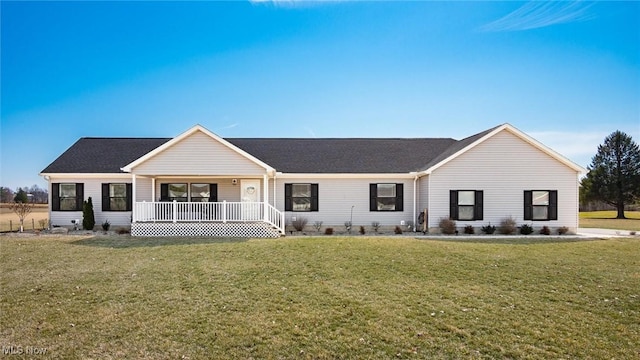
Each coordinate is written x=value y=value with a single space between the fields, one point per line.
x=33 y=194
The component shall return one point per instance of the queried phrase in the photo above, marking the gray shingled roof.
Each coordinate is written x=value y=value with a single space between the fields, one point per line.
x=102 y=155
x=346 y=155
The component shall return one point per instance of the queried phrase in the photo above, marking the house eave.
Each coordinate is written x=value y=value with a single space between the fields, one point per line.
x=410 y=175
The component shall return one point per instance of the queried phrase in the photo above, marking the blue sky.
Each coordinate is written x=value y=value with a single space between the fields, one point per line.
x=567 y=73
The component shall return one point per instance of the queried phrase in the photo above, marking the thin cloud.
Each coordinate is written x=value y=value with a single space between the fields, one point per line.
x=231 y=126
x=293 y=3
x=538 y=14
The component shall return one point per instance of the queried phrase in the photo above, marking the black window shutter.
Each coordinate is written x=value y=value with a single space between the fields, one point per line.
x=106 y=203
x=399 y=197
x=314 y=197
x=288 y=200
x=213 y=192
x=453 y=204
x=79 y=196
x=129 y=197
x=373 y=197
x=164 y=192
x=553 y=205
x=55 y=197
x=528 y=205
x=478 y=206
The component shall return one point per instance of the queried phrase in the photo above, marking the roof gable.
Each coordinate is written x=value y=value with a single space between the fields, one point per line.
x=187 y=134
x=469 y=143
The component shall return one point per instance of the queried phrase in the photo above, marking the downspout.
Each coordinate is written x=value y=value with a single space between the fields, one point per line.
x=415 y=202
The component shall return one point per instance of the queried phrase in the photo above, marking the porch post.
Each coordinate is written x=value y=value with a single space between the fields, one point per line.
x=153 y=189
x=133 y=200
x=265 y=185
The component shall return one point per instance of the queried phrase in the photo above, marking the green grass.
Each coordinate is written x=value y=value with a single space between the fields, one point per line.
x=321 y=298
x=607 y=220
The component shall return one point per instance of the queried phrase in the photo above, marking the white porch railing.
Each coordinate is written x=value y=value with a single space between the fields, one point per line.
x=208 y=212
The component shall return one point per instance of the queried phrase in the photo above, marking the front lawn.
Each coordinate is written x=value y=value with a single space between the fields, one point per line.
x=607 y=220
x=321 y=298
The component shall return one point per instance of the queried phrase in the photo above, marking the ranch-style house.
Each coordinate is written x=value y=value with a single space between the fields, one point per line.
x=199 y=184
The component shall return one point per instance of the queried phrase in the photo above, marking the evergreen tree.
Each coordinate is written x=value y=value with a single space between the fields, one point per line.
x=614 y=173
x=88 y=218
x=21 y=197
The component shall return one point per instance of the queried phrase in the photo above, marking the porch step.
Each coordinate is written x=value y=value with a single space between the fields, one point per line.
x=205 y=229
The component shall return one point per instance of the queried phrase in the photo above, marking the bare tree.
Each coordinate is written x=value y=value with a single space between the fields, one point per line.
x=22 y=210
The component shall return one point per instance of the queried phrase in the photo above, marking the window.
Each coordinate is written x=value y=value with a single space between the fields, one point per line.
x=67 y=196
x=177 y=192
x=200 y=192
x=541 y=205
x=386 y=197
x=301 y=197
x=196 y=192
x=116 y=197
x=466 y=204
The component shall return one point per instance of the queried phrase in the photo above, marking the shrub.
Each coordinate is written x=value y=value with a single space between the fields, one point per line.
x=507 y=226
x=299 y=223
x=375 y=225
x=122 y=231
x=447 y=226
x=106 y=225
x=488 y=229
x=317 y=225
x=362 y=230
x=545 y=230
x=328 y=231
x=563 y=230
x=397 y=230
x=88 y=218
x=469 y=229
x=526 y=229
x=43 y=223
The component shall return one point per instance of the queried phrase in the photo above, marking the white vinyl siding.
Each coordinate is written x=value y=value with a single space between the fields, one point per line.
x=93 y=189
x=226 y=190
x=199 y=154
x=337 y=196
x=503 y=167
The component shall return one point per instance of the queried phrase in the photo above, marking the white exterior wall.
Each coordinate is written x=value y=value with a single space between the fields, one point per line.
x=423 y=193
x=227 y=191
x=337 y=195
x=93 y=189
x=198 y=154
x=504 y=166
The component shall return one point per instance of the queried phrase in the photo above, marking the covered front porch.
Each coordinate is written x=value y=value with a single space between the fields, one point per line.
x=227 y=219
x=199 y=184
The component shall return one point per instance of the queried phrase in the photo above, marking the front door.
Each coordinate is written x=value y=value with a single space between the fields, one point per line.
x=250 y=196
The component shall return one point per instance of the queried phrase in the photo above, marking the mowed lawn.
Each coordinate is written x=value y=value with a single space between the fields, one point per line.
x=607 y=220
x=321 y=298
